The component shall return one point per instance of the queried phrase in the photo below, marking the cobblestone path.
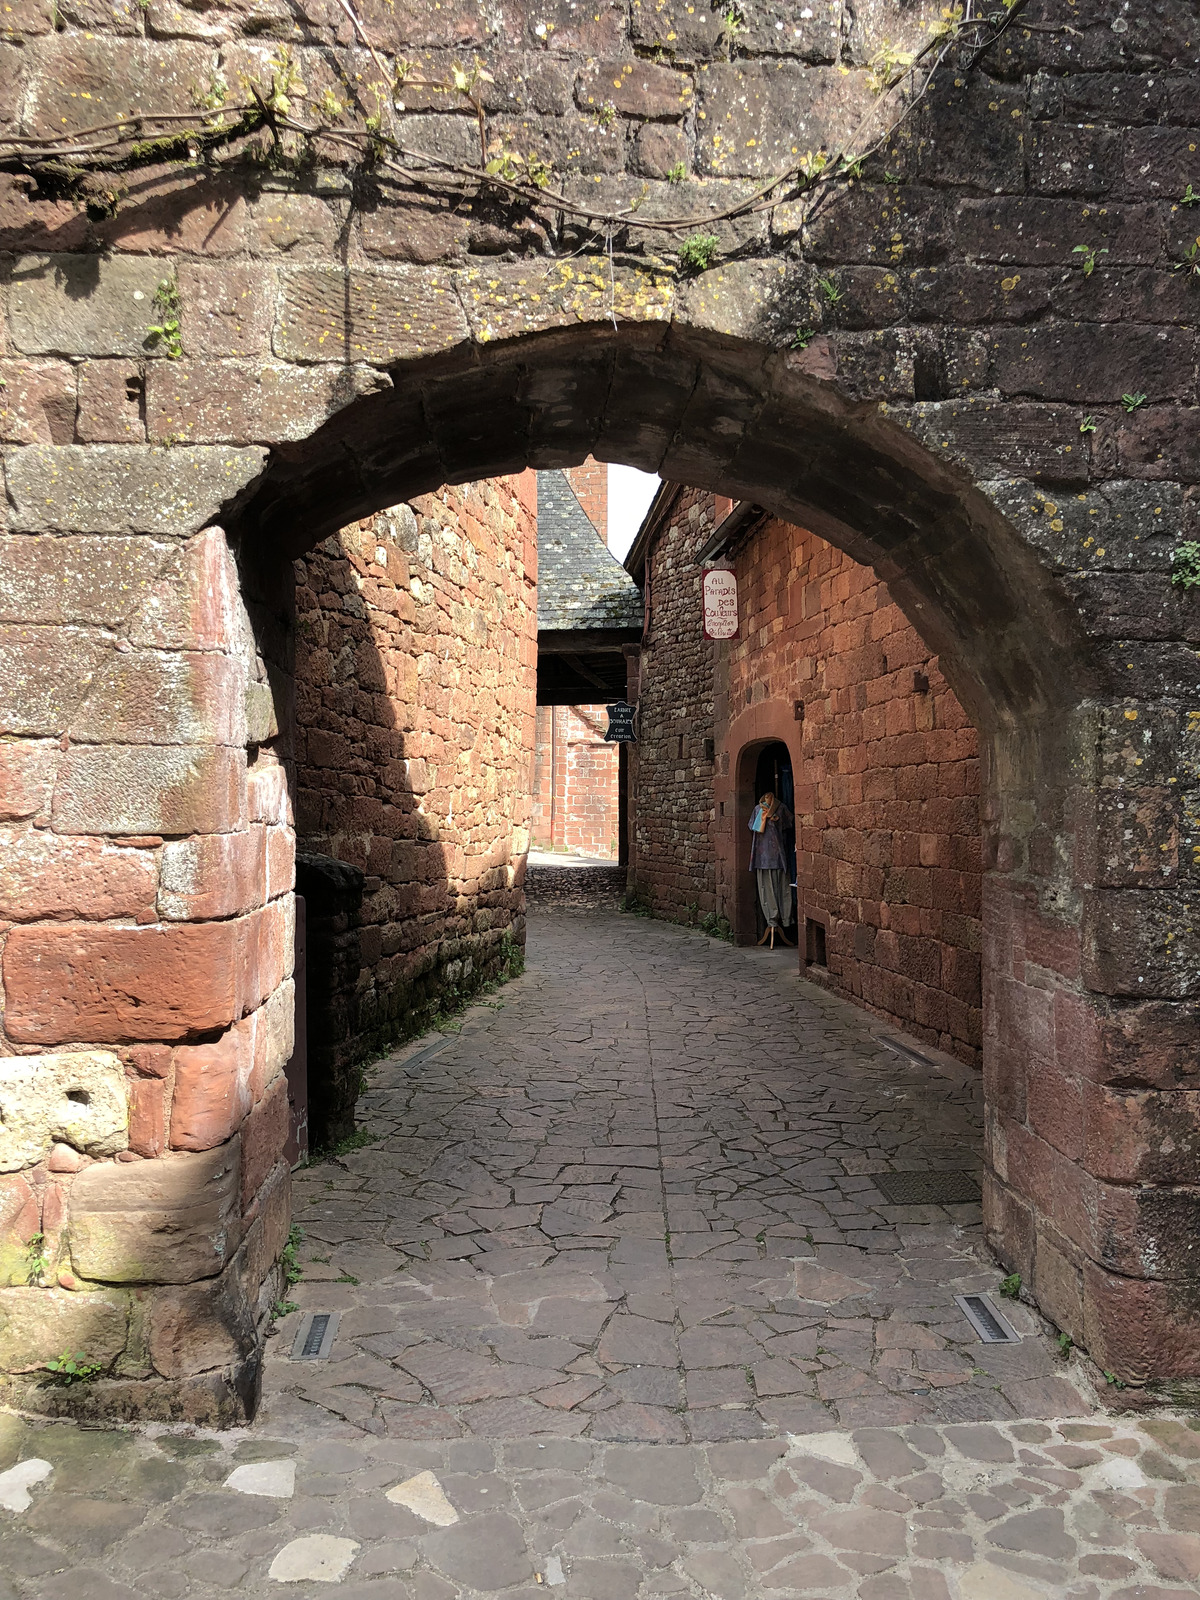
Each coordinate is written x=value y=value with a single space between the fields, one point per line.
x=624 y=1313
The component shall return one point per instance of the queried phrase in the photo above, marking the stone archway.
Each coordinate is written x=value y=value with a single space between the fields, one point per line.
x=957 y=424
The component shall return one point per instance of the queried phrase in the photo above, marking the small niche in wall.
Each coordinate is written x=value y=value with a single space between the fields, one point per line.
x=815 y=943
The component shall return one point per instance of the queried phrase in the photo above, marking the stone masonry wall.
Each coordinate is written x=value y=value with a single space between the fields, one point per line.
x=672 y=860
x=884 y=762
x=584 y=771
x=972 y=366
x=146 y=940
x=887 y=783
x=415 y=672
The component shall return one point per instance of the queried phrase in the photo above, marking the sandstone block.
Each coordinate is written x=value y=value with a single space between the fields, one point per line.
x=81 y=581
x=45 y=674
x=212 y=1094
x=195 y=603
x=146 y=789
x=504 y=299
x=367 y=316
x=20 y=1219
x=83 y=305
x=83 y=79
x=226 y=310
x=164 y=698
x=174 y=1220
x=80 y=981
x=26 y=776
x=200 y=1326
x=274 y=1037
x=37 y=1325
x=147 y=1116
x=37 y=402
x=211 y=402
x=79 y=1099
x=110 y=404
x=46 y=875
x=757 y=115
x=214 y=875
x=1141 y=943
x=124 y=488
x=635 y=88
x=263 y=1138
x=267 y=1234
x=1136 y=1327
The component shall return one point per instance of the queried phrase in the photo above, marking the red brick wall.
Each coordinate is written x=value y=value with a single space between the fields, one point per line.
x=590 y=483
x=416 y=666
x=886 y=770
x=583 y=770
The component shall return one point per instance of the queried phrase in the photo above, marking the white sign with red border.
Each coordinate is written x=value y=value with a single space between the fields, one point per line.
x=719 y=589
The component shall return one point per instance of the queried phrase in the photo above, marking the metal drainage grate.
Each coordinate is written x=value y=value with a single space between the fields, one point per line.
x=926 y=1188
x=315 y=1337
x=991 y=1327
x=899 y=1048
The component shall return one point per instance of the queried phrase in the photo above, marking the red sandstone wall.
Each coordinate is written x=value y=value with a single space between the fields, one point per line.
x=583 y=771
x=885 y=764
x=416 y=675
x=887 y=789
x=590 y=483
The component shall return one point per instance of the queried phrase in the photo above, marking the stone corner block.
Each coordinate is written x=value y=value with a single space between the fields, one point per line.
x=80 y=1099
x=125 y=488
x=173 y=1220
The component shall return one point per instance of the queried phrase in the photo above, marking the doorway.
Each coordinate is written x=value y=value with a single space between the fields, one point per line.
x=773 y=774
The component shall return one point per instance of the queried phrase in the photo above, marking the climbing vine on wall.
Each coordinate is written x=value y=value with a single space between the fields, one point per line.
x=278 y=123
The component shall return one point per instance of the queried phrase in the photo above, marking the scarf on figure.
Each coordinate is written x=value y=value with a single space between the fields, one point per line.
x=765 y=811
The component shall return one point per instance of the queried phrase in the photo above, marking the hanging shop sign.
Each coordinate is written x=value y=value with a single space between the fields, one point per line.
x=620 y=723
x=719 y=589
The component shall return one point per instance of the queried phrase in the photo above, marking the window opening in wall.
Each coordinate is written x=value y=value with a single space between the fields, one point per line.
x=816 y=951
x=773 y=845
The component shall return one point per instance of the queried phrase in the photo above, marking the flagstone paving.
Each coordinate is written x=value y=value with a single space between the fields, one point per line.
x=623 y=1313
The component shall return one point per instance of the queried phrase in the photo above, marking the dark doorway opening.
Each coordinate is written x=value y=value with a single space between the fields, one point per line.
x=773 y=773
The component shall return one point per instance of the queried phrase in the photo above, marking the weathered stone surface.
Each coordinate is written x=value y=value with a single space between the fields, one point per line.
x=504 y=300
x=124 y=488
x=148 y=789
x=80 y=1099
x=83 y=305
x=216 y=875
x=371 y=317
x=211 y=1095
x=200 y=1326
x=80 y=581
x=26 y=775
x=56 y=876
x=168 y=1221
x=20 y=1221
x=226 y=310
x=165 y=982
x=216 y=402
x=163 y=698
x=37 y=404
x=38 y=1325
x=110 y=403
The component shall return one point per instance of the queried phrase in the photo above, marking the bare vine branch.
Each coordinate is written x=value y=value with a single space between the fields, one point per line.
x=150 y=137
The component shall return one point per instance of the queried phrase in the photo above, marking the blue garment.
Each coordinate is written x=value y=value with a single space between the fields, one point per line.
x=767 y=849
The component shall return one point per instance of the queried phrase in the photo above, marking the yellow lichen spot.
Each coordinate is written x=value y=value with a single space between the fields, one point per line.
x=1009 y=284
x=1131 y=716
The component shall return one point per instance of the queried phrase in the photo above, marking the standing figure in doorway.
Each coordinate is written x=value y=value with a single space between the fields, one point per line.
x=769 y=862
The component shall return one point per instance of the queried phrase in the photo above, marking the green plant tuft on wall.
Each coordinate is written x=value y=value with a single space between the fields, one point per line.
x=1185 y=565
x=698 y=252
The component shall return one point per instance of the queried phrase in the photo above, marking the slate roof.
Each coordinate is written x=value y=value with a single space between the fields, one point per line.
x=581 y=584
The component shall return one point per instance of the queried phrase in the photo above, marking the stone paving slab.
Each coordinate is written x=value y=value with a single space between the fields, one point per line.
x=623 y=1314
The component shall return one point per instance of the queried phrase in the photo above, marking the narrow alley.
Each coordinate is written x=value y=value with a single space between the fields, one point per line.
x=624 y=1311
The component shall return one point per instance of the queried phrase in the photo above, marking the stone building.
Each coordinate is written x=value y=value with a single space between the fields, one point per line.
x=879 y=760
x=964 y=356
x=415 y=666
x=589 y=624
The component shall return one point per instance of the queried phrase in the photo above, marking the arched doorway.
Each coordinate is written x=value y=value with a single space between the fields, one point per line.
x=1070 y=970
